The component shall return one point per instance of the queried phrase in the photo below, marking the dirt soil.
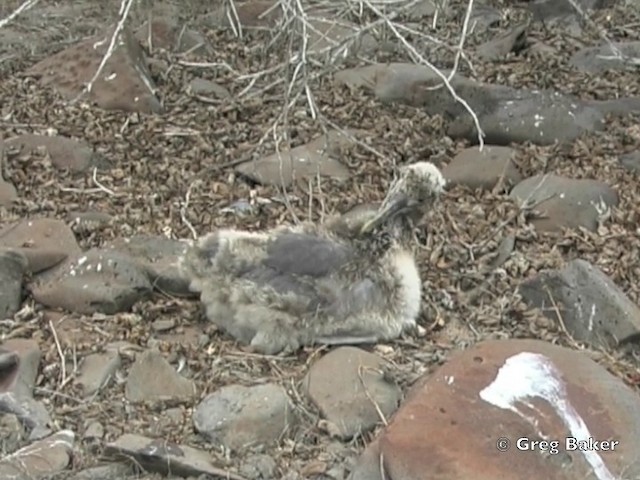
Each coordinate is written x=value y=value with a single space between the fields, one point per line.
x=157 y=160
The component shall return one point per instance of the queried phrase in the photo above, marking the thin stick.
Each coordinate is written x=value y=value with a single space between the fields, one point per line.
x=63 y=367
x=21 y=9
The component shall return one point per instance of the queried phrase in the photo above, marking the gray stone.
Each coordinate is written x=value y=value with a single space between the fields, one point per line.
x=43 y=458
x=257 y=467
x=110 y=471
x=239 y=417
x=102 y=281
x=164 y=457
x=152 y=378
x=318 y=157
x=593 y=308
x=64 y=152
x=565 y=202
x=507 y=115
x=349 y=388
x=483 y=169
x=601 y=59
x=631 y=161
x=159 y=257
x=202 y=86
x=12 y=270
x=96 y=370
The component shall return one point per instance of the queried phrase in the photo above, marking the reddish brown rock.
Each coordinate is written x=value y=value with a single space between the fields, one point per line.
x=124 y=83
x=455 y=422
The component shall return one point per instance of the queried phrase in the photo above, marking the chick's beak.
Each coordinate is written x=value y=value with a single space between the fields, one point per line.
x=389 y=208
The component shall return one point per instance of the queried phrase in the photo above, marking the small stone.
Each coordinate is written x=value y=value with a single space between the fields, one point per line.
x=257 y=467
x=349 y=388
x=110 y=471
x=12 y=433
x=483 y=169
x=201 y=86
x=164 y=325
x=152 y=378
x=239 y=417
x=318 y=157
x=94 y=431
x=45 y=457
x=13 y=267
x=97 y=370
x=163 y=456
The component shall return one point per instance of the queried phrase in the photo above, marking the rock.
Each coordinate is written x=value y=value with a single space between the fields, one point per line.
x=593 y=308
x=318 y=157
x=9 y=369
x=13 y=267
x=44 y=242
x=46 y=457
x=94 y=431
x=497 y=392
x=97 y=370
x=256 y=467
x=201 y=86
x=8 y=193
x=164 y=457
x=170 y=420
x=12 y=434
x=349 y=388
x=335 y=39
x=601 y=59
x=251 y=14
x=565 y=202
x=169 y=34
x=28 y=364
x=483 y=169
x=105 y=472
x=99 y=280
x=152 y=378
x=124 y=83
x=20 y=363
x=484 y=16
x=89 y=221
x=65 y=153
x=631 y=161
x=507 y=115
x=237 y=417
x=498 y=48
x=159 y=256
x=551 y=11
x=419 y=10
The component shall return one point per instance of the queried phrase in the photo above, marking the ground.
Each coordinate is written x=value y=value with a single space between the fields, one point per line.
x=154 y=167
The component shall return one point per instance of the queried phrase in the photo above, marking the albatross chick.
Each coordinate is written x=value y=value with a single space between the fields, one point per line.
x=318 y=284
